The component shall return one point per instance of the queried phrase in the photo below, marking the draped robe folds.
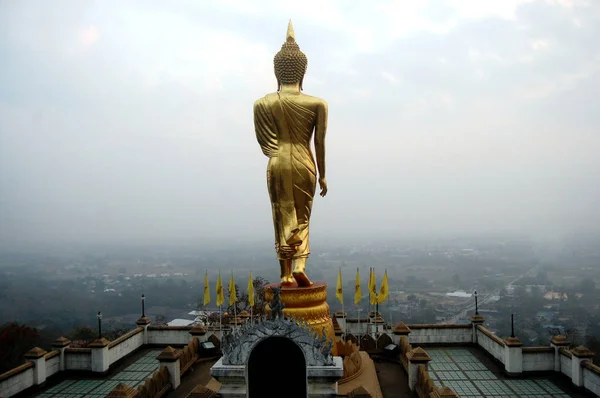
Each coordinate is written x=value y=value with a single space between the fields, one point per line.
x=284 y=129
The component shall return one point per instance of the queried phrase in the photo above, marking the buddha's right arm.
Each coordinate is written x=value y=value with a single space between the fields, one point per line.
x=265 y=129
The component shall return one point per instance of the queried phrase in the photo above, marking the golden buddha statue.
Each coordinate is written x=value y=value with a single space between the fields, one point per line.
x=284 y=122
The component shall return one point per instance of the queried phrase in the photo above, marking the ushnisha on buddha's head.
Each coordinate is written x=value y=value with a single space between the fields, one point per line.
x=290 y=63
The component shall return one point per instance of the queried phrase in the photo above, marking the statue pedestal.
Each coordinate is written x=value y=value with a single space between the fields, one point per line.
x=307 y=303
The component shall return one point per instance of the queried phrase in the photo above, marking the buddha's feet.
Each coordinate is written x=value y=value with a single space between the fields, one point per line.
x=287 y=280
x=301 y=278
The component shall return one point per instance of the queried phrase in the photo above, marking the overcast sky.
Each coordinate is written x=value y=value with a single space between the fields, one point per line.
x=132 y=120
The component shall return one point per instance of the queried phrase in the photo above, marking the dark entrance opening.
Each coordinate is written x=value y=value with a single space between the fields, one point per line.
x=276 y=368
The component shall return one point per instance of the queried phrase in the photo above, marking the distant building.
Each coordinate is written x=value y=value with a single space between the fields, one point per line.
x=556 y=296
x=544 y=316
x=180 y=322
x=459 y=294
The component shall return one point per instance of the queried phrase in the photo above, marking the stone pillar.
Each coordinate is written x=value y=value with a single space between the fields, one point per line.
x=398 y=331
x=144 y=322
x=100 y=362
x=513 y=356
x=198 y=331
x=36 y=356
x=61 y=344
x=476 y=320
x=579 y=354
x=558 y=342
x=416 y=357
x=169 y=358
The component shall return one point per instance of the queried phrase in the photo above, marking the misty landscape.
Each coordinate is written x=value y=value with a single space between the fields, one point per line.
x=462 y=157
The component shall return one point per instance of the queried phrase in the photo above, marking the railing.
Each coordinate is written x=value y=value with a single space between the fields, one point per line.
x=51 y=354
x=565 y=352
x=157 y=386
x=591 y=377
x=125 y=345
x=189 y=355
x=538 y=350
x=16 y=380
x=424 y=386
x=126 y=336
x=493 y=344
x=441 y=334
x=352 y=360
x=405 y=348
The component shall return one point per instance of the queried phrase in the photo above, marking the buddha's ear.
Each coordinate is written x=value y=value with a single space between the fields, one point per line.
x=278 y=85
x=301 y=81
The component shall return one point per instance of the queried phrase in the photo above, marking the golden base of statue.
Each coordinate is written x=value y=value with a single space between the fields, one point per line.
x=306 y=303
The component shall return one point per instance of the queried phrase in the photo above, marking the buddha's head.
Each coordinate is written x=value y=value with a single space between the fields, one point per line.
x=290 y=62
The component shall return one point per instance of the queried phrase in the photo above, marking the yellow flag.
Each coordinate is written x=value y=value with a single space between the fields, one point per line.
x=372 y=287
x=338 y=290
x=220 y=295
x=384 y=291
x=357 y=292
x=251 y=291
x=206 y=289
x=232 y=292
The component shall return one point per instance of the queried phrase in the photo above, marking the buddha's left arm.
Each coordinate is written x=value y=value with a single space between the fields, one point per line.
x=320 y=130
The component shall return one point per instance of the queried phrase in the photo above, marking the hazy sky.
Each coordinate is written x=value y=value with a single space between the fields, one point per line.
x=132 y=120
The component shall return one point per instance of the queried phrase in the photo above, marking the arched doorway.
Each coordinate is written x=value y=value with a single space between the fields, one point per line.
x=277 y=368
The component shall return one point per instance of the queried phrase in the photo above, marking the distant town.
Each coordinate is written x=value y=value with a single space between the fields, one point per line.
x=549 y=289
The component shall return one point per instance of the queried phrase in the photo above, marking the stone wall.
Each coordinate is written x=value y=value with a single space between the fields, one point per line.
x=591 y=378
x=440 y=334
x=78 y=359
x=538 y=359
x=52 y=363
x=493 y=344
x=565 y=362
x=169 y=335
x=125 y=345
x=16 y=380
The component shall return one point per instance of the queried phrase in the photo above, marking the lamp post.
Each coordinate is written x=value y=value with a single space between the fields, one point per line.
x=99 y=316
x=476 y=304
x=512 y=325
x=143 y=306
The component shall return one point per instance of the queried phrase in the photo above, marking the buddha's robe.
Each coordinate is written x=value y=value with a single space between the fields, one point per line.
x=284 y=129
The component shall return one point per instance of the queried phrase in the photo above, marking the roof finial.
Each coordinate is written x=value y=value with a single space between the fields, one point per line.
x=290 y=36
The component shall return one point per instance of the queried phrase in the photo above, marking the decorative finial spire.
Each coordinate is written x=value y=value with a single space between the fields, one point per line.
x=290 y=35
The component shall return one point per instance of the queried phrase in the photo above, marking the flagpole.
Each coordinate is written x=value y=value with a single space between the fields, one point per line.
x=234 y=299
x=220 y=304
x=358 y=316
x=345 y=316
x=376 y=315
x=370 y=293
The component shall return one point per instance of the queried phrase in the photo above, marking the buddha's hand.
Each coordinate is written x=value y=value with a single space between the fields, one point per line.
x=323 y=186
